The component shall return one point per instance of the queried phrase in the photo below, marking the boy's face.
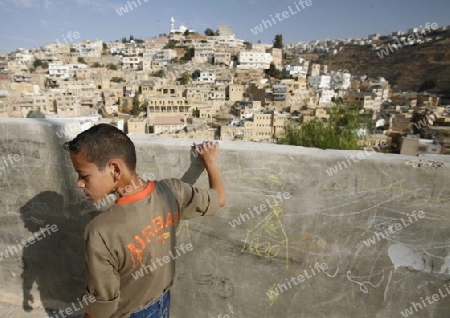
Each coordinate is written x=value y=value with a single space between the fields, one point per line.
x=96 y=184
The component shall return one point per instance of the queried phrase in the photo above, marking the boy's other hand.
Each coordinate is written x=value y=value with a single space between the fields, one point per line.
x=208 y=151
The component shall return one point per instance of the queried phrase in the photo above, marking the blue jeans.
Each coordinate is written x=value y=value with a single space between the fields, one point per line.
x=158 y=309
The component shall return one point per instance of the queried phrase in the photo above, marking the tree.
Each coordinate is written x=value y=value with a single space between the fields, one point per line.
x=189 y=54
x=209 y=32
x=274 y=72
x=186 y=33
x=338 y=133
x=185 y=78
x=111 y=66
x=195 y=74
x=278 y=41
x=35 y=114
x=96 y=64
x=40 y=63
x=81 y=60
x=136 y=105
x=117 y=79
x=171 y=45
x=37 y=63
x=428 y=84
x=159 y=73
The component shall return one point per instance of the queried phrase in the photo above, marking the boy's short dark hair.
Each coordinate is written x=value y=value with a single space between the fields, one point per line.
x=101 y=143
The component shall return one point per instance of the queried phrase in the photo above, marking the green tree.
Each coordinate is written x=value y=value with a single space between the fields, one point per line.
x=81 y=60
x=96 y=64
x=111 y=66
x=195 y=74
x=209 y=32
x=35 y=114
x=428 y=84
x=274 y=72
x=37 y=63
x=185 y=78
x=136 y=105
x=171 y=45
x=159 y=73
x=278 y=41
x=338 y=133
x=189 y=54
x=117 y=79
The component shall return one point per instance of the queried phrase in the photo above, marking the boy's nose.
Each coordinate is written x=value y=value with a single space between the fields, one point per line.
x=80 y=183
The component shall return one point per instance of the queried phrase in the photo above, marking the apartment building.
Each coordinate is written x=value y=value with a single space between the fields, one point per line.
x=136 y=126
x=88 y=48
x=319 y=81
x=153 y=89
x=326 y=96
x=117 y=48
x=254 y=60
x=236 y=92
x=207 y=77
x=62 y=71
x=277 y=57
x=132 y=62
x=222 y=58
x=168 y=124
x=204 y=52
x=163 y=56
x=161 y=105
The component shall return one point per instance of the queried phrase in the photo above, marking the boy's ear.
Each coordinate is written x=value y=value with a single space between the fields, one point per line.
x=114 y=168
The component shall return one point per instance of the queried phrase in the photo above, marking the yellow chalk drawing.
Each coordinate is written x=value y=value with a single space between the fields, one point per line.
x=239 y=176
x=184 y=231
x=273 y=296
x=268 y=238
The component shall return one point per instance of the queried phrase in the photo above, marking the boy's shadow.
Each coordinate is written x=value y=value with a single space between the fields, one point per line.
x=55 y=262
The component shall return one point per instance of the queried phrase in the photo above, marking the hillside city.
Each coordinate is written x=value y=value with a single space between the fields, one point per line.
x=215 y=86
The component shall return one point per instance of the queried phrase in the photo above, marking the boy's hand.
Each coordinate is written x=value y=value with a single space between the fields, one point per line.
x=208 y=152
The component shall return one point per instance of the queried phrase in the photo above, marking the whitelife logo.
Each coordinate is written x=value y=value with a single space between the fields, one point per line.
x=122 y=10
x=393 y=47
x=258 y=209
x=275 y=292
x=12 y=249
x=390 y=230
x=416 y=306
x=161 y=261
x=280 y=17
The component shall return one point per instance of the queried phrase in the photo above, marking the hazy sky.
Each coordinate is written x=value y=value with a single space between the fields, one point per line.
x=33 y=23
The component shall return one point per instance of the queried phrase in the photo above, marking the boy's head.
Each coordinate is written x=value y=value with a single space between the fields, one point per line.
x=104 y=158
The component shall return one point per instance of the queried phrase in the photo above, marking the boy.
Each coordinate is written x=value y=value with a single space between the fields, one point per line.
x=140 y=228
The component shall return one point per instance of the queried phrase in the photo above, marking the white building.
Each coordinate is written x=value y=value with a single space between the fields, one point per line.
x=117 y=48
x=326 y=96
x=181 y=29
x=252 y=60
x=341 y=80
x=320 y=82
x=89 y=48
x=64 y=71
x=226 y=41
x=207 y=77
x=132 y=62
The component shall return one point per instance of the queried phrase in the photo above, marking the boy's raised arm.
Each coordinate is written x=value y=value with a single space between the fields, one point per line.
x=209 y=153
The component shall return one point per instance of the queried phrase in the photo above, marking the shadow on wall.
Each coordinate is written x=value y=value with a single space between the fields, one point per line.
x=55 y=261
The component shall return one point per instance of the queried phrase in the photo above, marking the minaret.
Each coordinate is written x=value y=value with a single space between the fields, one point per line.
x=172 y=25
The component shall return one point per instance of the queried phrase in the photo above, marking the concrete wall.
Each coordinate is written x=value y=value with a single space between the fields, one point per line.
x=319 y=218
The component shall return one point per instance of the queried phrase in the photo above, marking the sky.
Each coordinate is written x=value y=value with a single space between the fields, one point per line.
x=34 y=23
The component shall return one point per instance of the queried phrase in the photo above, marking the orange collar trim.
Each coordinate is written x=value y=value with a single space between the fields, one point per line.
x=137 y=196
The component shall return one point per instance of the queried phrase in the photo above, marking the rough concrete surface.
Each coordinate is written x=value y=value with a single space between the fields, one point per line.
x=304 y=228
